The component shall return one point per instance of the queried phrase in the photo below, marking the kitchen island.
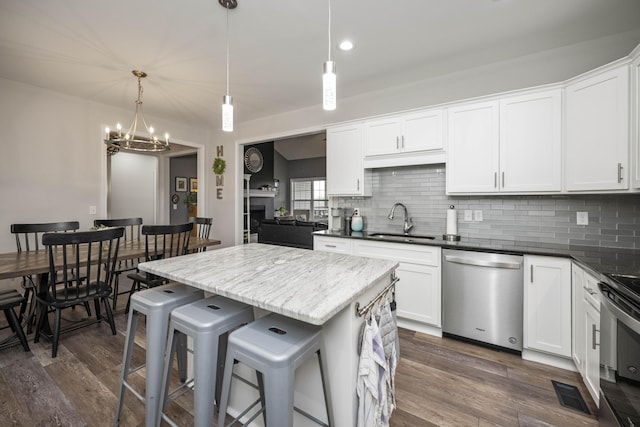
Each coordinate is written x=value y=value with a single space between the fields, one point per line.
x=314 y=287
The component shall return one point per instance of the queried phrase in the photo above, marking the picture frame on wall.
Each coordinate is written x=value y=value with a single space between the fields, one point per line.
x=181 y=183
x=193 y=185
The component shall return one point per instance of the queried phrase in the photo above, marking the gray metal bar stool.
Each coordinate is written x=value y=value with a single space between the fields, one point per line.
x=208 y=322
x=275 y=346
x=156 y=304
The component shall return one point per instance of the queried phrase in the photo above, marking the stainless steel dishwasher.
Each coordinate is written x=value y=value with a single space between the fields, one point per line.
x=482 y=297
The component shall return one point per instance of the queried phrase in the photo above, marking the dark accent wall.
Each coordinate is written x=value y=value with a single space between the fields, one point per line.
x=308 y=168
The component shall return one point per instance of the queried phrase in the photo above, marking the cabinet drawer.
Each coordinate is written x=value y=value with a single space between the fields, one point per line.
x=591 y=292
x=332 y=244
x=425 y=255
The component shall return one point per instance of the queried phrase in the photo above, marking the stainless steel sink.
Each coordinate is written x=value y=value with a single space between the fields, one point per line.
x=408 y=238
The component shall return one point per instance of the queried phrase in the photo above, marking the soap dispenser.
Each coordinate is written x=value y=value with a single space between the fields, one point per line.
x=356 y=220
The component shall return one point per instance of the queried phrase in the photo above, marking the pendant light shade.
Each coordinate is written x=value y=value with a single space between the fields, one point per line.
x=329 y=86
x=227 y=100
x=227 y=113
x=329 y=76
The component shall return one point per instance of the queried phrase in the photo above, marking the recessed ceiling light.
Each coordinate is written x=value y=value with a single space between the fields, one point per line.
x=345 y=45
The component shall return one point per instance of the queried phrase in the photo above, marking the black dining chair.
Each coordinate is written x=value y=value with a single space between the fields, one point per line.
x=160 y=242
x=202 y=228
x=132 y=227
x=92 y=257
x=28 y=238
x=10 y=299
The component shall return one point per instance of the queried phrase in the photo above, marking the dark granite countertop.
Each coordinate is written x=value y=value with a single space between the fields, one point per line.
x=600 y=260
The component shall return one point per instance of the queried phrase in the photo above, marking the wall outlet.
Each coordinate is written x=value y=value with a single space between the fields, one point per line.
x=582 y=218
x=477 y=216
x=92 y=210
x=468 y=215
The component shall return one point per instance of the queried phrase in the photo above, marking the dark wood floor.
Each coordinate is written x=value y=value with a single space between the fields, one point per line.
x=440 y=382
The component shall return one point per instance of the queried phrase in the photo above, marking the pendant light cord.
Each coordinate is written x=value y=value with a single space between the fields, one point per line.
x=329 y=2
x=227 y=49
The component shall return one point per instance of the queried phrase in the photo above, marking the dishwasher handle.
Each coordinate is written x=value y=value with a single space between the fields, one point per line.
x=482 y=263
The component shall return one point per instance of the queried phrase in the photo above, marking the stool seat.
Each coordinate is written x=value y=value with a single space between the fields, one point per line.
x=156 y=304
x=207 y=322
x=275 y=346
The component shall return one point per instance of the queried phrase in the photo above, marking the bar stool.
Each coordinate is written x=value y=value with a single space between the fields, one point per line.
x=207 y=322
x=156 y=304
x=275 y=346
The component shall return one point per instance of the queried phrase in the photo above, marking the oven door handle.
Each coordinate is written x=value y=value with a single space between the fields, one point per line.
x=623 y=317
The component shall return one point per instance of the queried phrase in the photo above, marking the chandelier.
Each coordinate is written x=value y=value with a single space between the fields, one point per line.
x=115 y=140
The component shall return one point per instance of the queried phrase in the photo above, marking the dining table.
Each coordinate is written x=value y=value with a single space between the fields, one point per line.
x=36 y=263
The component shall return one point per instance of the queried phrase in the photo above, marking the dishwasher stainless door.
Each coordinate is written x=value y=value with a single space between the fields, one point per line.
x=482 y=297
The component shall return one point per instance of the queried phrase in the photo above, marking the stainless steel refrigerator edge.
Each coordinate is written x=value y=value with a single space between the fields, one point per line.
x=482 y=297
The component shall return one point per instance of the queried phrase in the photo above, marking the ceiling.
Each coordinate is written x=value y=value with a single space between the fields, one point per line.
x=87 y=48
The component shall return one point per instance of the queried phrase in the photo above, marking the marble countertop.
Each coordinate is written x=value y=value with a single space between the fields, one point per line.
x=306 y=285
x=601 y=260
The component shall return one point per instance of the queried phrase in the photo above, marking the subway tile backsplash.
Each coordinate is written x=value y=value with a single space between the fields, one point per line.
x=614 y=220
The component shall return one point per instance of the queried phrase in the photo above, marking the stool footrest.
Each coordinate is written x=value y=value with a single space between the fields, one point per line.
x=245 y=412
x=181 y=390
x=134 y=391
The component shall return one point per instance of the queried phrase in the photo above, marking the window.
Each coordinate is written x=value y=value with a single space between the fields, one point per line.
x=309 y=199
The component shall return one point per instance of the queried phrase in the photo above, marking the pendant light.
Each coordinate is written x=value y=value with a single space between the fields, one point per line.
x=227 y=100
x=329 y=77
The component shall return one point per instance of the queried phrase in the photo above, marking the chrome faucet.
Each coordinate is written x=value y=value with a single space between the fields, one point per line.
x=407 y=221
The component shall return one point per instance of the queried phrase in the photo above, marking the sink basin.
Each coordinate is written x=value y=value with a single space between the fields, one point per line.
x=408 y=238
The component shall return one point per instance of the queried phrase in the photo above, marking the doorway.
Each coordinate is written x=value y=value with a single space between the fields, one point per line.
x=140 y=184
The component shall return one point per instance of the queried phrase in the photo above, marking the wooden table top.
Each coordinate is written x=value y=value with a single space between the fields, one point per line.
x=18 y=264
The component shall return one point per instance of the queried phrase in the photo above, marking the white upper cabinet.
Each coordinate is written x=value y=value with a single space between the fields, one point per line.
x=509 y=145
x=635 y=117
x=345 y=171
x=531 y=142
x=597 y=131
x=473 y=152
x=408 y=139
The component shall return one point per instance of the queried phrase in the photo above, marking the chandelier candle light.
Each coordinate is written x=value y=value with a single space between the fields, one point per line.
x=329 y=77
x=131 y=141
x=227 y=100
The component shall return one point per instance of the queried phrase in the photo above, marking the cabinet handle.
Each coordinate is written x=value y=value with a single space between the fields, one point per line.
x=532 y=274
x=589 y=290
x=358 y=185
x=397 y=142
x=330 y=246
x=403 y=142
x=495 y=180
x=620 y=172
x=503 y=179
x=593 y=337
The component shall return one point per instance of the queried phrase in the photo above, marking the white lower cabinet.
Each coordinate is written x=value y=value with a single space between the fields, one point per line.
x=332 y=244
x=577 y=317
x=418 y=292
x=591 y=375
x=547 y=305
x=586 y=328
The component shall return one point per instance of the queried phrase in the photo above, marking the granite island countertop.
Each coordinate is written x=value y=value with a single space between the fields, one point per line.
x=306 y=285
x=600 y=260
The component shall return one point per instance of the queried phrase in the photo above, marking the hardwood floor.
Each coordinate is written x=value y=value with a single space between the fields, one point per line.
x=439 y=382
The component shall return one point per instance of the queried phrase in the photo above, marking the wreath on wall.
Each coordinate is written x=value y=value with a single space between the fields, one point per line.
x=219 y=166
